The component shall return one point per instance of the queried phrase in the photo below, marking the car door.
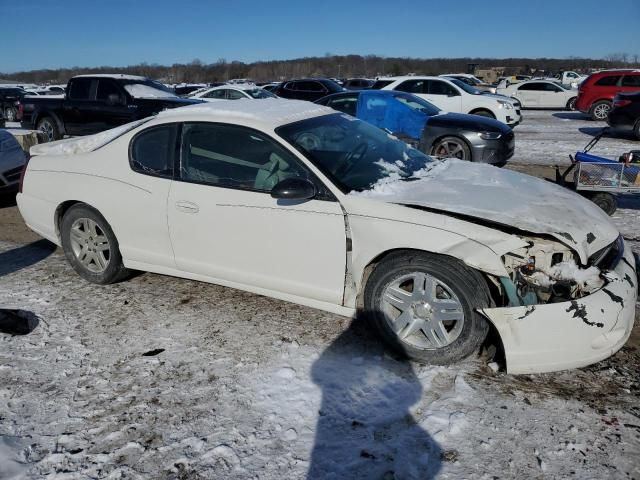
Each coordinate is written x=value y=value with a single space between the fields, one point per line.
x=225 y=225
x=552 y=96
x=77 y=106
x=529 y=94
x=630 y=83
x=310 y=90
x=444 y=95
x=110 y=108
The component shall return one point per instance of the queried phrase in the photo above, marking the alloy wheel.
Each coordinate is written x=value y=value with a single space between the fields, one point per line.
x=90 y=245
x=47 y=128
x=450 y=149
x=422 y=310
x=601 y=111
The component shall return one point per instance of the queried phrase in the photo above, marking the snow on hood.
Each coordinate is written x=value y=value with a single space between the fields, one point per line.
x=71 y=146
x=503 y=197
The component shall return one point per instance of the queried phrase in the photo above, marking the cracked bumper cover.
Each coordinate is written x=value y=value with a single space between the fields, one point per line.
x=559 y=336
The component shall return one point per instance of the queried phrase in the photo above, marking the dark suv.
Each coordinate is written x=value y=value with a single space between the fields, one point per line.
x=625 y=113
x=310 y=89
x=596 y=93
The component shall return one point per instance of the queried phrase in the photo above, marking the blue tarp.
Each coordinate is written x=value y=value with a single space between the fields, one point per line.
x=382 y=109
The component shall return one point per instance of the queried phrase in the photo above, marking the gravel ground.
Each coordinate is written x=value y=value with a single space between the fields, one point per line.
x=159 y=377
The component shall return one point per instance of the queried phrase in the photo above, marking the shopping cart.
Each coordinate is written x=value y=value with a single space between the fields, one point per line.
x=601 y=179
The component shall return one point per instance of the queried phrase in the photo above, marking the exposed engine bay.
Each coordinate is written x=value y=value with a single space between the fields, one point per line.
x=546 y=271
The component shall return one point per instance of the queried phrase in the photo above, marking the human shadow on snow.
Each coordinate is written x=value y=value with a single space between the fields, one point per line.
x=365 y=429
x=24 y=256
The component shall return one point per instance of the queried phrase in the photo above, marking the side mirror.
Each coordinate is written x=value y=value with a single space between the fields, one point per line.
x=114 y=99
x=294 y=188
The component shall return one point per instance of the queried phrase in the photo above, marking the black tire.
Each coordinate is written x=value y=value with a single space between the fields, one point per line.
x=10 y=114
x=115 y=270
x=606 y=201
x=467 y=284
x=599 y=111
x=451 y=144
x=483 y=113
x=49 y=127
x=571 y=104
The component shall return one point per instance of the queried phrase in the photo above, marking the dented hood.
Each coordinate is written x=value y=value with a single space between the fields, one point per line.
x=506 y=198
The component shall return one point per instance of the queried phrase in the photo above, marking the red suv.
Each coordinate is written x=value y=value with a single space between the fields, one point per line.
x=595 y=94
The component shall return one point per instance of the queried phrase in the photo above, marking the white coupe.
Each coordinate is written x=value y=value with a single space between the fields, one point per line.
x=297 y=202
x=542 y=94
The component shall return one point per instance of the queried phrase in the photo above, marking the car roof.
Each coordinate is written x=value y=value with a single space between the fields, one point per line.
x=266 y=114
x=235 y=86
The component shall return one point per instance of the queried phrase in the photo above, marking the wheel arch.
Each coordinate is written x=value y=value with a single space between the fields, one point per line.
x=63 y=208
x=39 y=115
x=482 y=109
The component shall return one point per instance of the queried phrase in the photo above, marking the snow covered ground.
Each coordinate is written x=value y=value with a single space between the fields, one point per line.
x=548 y=138
x=164 y=378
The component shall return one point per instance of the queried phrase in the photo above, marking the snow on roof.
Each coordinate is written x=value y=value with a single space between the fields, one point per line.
x=120 y=76
x=270 y=112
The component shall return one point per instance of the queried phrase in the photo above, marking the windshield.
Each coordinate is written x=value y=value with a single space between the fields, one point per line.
x=259 y=93
x=148 y=89
x=465 y=87
x=419 y=104
x=353 y=154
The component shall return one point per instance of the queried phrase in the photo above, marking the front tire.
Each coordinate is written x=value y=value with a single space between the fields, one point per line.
x=600 y=110
x=451 y=147
x=425 y=306
x=91 y=246
x=49 y=127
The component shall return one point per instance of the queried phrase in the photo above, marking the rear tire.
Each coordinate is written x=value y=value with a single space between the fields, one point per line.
x=571 y=104
x=435 y=323
x=600 y=110
x=606 y=201
x=49 y=127
x=91 y=246
x=451 y=147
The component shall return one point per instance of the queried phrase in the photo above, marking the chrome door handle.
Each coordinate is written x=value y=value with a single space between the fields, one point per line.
x=187 y=207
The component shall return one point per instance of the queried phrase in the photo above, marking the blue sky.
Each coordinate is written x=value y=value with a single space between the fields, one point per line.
x=64 y=33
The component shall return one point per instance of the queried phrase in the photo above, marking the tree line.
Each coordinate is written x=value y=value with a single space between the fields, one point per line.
x=338 y=66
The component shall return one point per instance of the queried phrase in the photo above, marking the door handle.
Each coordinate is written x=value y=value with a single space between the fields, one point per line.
x=187 y=207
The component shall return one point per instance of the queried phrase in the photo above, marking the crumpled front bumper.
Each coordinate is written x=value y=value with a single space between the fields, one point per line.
x=559 y=336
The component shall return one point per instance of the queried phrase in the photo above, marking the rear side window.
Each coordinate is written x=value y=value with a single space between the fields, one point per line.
x=152 y=151
x=608 y=81
x=380 y=84
x=631 y=81
x=413 y=86
x=80 y=89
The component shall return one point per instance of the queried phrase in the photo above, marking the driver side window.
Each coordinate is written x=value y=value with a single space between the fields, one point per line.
x=230 y=156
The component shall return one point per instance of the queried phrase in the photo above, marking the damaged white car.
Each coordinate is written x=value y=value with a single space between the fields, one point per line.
x=298 y=202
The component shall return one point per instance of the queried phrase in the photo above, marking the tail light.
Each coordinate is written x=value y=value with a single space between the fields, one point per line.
x=24 y=171
x=621 y=102
x=20 y=111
